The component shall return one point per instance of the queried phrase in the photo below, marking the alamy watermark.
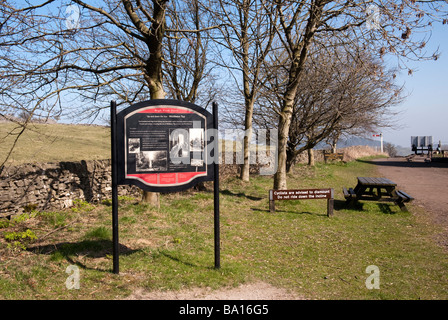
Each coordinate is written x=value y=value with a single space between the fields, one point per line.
x=73 y=21
x=263 y=147
x=72 y=281
x=373 y=280
x=373 y=17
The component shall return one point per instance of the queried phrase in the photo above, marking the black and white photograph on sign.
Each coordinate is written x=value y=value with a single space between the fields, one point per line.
x=197 y=162
x=179 y=147
x=151 y=161
x=196 y=139
x=134 y=145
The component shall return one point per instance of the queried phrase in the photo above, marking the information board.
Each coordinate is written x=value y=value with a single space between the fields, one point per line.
x=421 y=141
x=164 y=145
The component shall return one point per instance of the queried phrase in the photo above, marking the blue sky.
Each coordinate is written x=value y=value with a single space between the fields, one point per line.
x=425 y=110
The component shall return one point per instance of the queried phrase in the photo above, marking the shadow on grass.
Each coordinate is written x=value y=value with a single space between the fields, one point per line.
x=240 y=195
x=401 y=162
x=343 y=205
x=385 y=208
x=186 y=263
x=88 y=248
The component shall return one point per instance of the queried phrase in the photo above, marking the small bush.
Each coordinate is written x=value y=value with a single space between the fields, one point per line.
x=27 y=235
x=30 y=207
x=4 y=223
x=56 y=219
x=99 y=233
x=18 y=240
x=21 y=218
x=81 y=206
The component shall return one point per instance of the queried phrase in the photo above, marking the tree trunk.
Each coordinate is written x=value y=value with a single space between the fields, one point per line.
x=246 y=142
x=333 y=147
x=291 y=155
x=299 y=55
x=153 y=73
x=153 y=198
x=248 y=93
x=283 y=130
x=311 y=157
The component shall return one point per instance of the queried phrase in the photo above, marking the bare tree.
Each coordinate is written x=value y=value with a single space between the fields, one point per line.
x=343 y=89
x=247 y=32
x=301 y=21
x=390 y=149
x=188 y=67
x=109 y=50
x=344 y=92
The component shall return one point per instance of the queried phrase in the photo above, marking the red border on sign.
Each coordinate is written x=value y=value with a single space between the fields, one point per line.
x=148 y=178
x=187 y=176
x=169 y=179
x=165 y=110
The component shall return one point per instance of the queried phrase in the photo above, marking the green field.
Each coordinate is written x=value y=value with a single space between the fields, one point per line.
x=61 y=142
x=54 y=142
x=171 y=247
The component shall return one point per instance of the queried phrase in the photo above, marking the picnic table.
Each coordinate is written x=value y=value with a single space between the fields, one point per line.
x=377 y=189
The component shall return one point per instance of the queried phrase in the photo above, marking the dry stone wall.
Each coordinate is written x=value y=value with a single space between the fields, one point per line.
x=54 y=186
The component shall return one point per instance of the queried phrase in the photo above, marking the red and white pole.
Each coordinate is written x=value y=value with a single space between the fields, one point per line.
x=381 y=140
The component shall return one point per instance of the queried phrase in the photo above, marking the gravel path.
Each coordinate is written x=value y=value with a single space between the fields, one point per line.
x=427 y=183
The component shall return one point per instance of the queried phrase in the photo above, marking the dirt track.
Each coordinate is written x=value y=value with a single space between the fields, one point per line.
x=252 y=291
x=426 y=182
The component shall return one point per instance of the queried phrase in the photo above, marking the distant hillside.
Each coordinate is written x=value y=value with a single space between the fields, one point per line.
x=63 y=142
x=54 y=142
x=360 y=141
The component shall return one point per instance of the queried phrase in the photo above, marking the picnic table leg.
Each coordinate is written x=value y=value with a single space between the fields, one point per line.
x=399 y=202
x=349 y=201
x=377 y=196
x=402 y=205
x=390 y=192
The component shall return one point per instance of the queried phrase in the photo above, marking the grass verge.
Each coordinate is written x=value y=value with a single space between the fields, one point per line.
x=171 y=247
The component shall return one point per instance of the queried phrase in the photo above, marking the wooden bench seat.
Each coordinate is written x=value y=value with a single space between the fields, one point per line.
x=404 y=196
x=349 y=193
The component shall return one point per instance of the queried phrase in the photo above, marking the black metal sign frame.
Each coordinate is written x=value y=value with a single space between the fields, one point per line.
x=164 y=146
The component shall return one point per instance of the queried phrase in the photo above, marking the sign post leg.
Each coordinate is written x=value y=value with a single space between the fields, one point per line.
x=330 y=204
x=216 y=188
x=271 y=201
x=115 y=245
